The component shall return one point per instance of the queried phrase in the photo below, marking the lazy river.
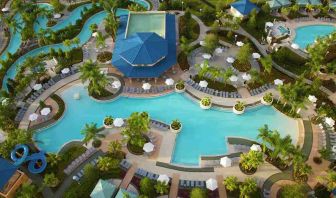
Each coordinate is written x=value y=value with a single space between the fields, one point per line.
x=204 y=131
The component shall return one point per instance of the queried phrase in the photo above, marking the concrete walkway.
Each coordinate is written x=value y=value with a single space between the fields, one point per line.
x=174 y=186
x=221 y=187
x=128 y=177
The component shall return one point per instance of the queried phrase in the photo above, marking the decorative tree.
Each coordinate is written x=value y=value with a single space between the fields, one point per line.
x=251 y=161
x=329 y=180
x=107 y=163
x=244 y=54
x=211 y=42
x=147 y=187
x=231 y=183
x=198 y=193
x=91 y=132
x=293 y=190
x=161 y=187
x=248 y=187
x=266 y=62
x=50 y=180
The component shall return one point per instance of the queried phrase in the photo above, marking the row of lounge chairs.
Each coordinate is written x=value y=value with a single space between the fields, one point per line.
x=160 y=125
x=19 y=116
x=79 y=160
x=125 y=165
x=211 y=91
x=327 y=19
x=80 y=173
x=301 y=19
x=188 y=184
x=261 y=89
x=330 y=131
x=152 y=90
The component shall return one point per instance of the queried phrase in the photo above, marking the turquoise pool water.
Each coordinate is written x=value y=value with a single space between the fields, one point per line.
x=306 y=35
x=41 y=22
x=204 y=131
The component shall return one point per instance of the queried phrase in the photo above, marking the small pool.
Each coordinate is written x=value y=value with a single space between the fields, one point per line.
x=204 y=131
x=306 y=35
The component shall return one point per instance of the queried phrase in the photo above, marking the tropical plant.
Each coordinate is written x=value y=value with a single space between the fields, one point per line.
x=15 y=137
x=227 y=74
x=301 y=170
x=91 y=132
x=206 y=101
x=293 y=190
x=248 y=187
x=107 y=163
x=67 y=43
x=111 y=24
x=27 y=190
x=76 y=41
x=161 y=187
x=267 y=63
x=136 y=8
x=198 y=193
x=185 y=46
x=108 y=120
x=53 y=159
x=180 y=85
x=268 y=97
x=176 y=124
x=58 y=7
x=255 y=76
x=93 y=27
x=100 y=40
x=50 y=180
x=325 y=153
x=210 y=43
x=244 y=53
x=231 y=183
x=251 y=161
x=239 y=106
x=137 y=126
x=97 y=81
x=329 y=180
x=114 y=147
x=147 y=187
x=285 y=11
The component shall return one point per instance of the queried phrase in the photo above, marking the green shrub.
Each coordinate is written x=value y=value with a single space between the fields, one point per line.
x=104 y=56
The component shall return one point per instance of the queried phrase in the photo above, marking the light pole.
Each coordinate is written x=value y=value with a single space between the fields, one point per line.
x=182 y=5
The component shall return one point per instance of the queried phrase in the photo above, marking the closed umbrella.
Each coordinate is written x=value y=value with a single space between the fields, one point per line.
x=37 y=87
x=295 y=46
x=45 y=111
x=163 y=178
x=255 y=147
x=203 y=83
x=118 y=122
x=206 y=56
x=65 y=70
x=211 y=184
x=230 y=60
x=57 y=16
x=148 y=147
x=116 y=84
x=169 y=81
x=239 y=44
x=256 y=55
x=278 y=82
x=33 y=117
x=246 y=76
x=330 y=121
x=226 y=162
x=233 y=78
x=269 y=24
x=312 y=98
x=146 y=86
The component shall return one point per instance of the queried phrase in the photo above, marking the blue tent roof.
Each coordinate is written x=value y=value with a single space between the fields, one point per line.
x=144 y=48
x=245 y=7
x=145 y=71
x=7 y=170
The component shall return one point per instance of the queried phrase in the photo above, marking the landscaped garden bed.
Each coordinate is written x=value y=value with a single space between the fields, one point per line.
x=289 y=60
x=215 y=84
x=104 y=56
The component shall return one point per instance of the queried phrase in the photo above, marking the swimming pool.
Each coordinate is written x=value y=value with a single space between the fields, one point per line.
x=306 y=35
x=204 y=131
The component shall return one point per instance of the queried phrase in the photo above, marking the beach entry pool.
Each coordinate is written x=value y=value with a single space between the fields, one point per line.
x=306 y=35
x=204 y=131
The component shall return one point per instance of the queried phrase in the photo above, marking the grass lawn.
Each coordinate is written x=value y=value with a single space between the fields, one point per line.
x=290 y=61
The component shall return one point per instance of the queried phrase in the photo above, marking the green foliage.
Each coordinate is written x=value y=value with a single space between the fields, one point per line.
x=50 y=180
x=14 y=137
x=289 y=60
x=111 y=24
x=161 y=188
x=147 y=187
x=91 y=132
x=198 y=193
x=266 y=62
x=53 y=159
x=239 y=106
x=231 y=183
x=329 y=180
x=103 y=57
x=244 y=53
x=325 y=153
x=27 y=191
x=210 y=43
x=57 y=5
x=248 y=187
x=251 y=160
x=114 y=147
x=137 y=126
x=293 y=190
x=107 y=163
x=301 y=170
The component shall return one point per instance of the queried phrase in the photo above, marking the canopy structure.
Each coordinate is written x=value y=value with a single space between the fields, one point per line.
x=65 y=70
x=278 y=82
x=118 y=122
x=332 y=4
x=203 y=83
x=206 y=56
x=226 y=162
x=230 y=60
x=116 y=84
x=274 y=4
x=244 y=7
x=169 y=81
x=211 y=184
x=146 y=86
x=295 y=46
x=57 y=16
x=219 y=50
x=103 y=189
x=330 y=121
x=2 y=137
x=246 y=76
x=256 y=55
x=285 y=3
x=239 y=44
x=122 y=193
x=45 y=111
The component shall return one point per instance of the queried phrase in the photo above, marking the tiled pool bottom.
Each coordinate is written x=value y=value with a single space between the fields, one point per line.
x=204 y=131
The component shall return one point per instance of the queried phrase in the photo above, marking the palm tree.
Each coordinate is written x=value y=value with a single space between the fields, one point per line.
x=114 y=147
x=93 y=27
x=67 y=43
x=111 y=24
x=161 y=187
x=301 y=170
x=53 y=159
x=97 y=81
x=107 y=163
x=91 y=132
x=264 y=135
x=76 y=41
x=184 y=46
x=251 y=160
x=100 y=40
x=329 y=180
x=227 y=74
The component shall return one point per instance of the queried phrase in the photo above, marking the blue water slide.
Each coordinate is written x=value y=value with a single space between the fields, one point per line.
x=19 y=160
x=33 y=161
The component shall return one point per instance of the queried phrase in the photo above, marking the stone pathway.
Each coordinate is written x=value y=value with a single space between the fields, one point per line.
x=243 y=91
x=221 y=187
x=128 y=177
x=174 y=186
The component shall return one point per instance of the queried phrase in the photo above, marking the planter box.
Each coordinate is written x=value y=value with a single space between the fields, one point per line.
x=265 y=103
x=237 y=112
x=179 y=90
x=205 y=107
x=175 y=131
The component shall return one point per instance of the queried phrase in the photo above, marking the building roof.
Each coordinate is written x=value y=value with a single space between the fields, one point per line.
x=315 y=2
x=7 y=170
x=285 y=2
x=302 y=2
x=118 y=58
x=245 y=7
x=103 y=189
x=121 y=193
x=144 y=49
x=275 y=4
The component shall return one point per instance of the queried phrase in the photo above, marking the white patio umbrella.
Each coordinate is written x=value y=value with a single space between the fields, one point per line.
x=239 y=44
x=169 y=81
x=163 y=178
x=256 y=55
x=116 y=84
x=278 y=82
x=206 y=56
x=65 y=70
x=33 y=117
x=295 y=46
x=255 y=147
x=226 y=162
x=269 y=24
x=312 y=98
x=148 y=147
x=45 y=111
x=203 y=83
x=146 y=86
x=219 y=50
x=118 y=122
x=37 y=87
x=57 y=16
x=75 y=178
x=233 y=78
x=334 y=149
x=330 y=121
x=246 y=76
x=6 y=9
x=202 y=43
x=230 y=59
x=94 y=34
x=211 y=184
